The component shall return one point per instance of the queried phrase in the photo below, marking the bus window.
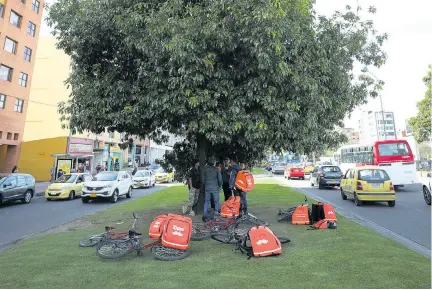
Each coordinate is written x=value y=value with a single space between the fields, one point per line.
x=393 y=149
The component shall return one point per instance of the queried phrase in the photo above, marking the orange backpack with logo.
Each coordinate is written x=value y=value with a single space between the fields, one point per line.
x=157 y=226
x=230 y=207
x=301 y=215
x=263 y=242
x=177 y=232
x=323 y=211
x=244 y=181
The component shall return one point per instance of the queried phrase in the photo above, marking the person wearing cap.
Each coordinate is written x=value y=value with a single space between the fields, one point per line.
x=226 y=172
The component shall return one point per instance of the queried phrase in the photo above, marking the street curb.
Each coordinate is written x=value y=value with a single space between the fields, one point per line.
x=373 y=226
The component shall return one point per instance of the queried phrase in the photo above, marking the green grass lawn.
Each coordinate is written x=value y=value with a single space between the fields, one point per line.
x=350 y=257
x=257 y=170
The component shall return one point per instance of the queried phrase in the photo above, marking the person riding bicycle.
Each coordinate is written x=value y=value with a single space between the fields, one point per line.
x=235 y=168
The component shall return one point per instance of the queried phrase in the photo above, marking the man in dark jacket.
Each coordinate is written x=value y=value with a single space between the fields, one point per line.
x=194 y=185
x=235 y=168
x=226 y=172
x=212 y=180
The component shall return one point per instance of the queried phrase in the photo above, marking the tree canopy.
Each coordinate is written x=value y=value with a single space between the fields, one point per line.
x=421 y=124
x=255 y=73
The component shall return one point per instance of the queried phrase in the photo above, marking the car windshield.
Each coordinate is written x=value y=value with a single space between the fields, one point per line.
x=330 y=169
x=373 y=175
x=281 y=164
x=154 y=167
x=393 y=149
x=160 y=170
x=142 y=174
x=2 y=179
x=67 y=178
x=106 y=176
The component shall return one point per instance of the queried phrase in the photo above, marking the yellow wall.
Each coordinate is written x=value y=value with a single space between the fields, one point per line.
x=36 y=156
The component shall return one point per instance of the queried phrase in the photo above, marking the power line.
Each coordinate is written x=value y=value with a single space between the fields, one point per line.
x=36 y=102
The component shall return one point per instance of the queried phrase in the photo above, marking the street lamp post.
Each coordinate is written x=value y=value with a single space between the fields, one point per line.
x=366 y=70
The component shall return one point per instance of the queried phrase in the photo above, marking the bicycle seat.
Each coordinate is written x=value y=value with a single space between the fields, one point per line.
x=108 y=228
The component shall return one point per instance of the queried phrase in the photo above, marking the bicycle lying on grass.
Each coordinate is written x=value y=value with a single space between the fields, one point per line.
x=202 y=231
x=237 y=236
x=93 y=240
x=115 y=249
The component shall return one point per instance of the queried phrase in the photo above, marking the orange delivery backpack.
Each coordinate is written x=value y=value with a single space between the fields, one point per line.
x=231 y=207
x=301 y=216
x=177 y=232
x=157 y=225
x=244 y=181
x=323 y=211
x=263 y=242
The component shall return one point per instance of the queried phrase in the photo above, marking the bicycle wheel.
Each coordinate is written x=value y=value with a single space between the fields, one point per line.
x=284 y=240
x=224 y=238
x=285 y=217
x=110 y=249
x=163 y=253
x=200 y=231
x=91 y=241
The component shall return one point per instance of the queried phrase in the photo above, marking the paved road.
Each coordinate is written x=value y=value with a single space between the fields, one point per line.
x=410 y=218
x=18 y=220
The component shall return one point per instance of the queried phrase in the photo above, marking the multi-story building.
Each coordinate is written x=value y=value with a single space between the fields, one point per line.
x=408 y=128
x=374 y=128
x=20 y=22
x=352 y=135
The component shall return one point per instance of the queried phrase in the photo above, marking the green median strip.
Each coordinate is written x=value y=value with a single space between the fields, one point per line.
x=351 y=256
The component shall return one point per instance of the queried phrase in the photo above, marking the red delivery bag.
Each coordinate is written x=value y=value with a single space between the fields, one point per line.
x=157 y=225
x=264 y=242
x=177 y=232
x=230 y=207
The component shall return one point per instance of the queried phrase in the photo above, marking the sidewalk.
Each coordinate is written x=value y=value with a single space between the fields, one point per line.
x=40 y=188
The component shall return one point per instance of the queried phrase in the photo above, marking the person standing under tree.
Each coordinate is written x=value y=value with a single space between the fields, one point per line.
x=235 y=168
x=226 y=172
x=194 y=185
x=212 y=180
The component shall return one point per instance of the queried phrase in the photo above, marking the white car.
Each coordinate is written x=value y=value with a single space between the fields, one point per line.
x=426 y=185
x=108 y=185
x=279 y=168
x=143 y=178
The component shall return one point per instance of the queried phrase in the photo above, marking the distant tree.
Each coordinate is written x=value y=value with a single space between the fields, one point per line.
x=421 y=124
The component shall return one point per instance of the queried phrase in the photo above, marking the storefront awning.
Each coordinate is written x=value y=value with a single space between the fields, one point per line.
x=72 y=156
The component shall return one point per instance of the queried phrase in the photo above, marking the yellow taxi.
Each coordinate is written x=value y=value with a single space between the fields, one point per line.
x=162 y=176
x=67 y=186
x=308 y=169
x=368 y=184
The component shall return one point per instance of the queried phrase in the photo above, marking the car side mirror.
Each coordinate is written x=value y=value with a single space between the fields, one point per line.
x=7 y=185
x=429 y=174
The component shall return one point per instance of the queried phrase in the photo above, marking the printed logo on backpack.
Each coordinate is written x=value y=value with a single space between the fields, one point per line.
x=244 y=181
x=177 y=232
x=264 y=242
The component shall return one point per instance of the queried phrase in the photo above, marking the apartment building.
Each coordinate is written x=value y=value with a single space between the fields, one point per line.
x=20 y=22
x=373 y=127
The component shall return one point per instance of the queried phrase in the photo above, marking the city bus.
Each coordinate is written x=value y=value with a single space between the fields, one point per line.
x=395 y=156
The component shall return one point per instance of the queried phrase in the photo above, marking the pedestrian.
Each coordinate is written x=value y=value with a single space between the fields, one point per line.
x=98 y=168
x=226 y=172
x=52 y=170
x=194 y=185
x=15 y=169
x=59 y=173
x=212 y=180
x=235 y=168
x=243 y=166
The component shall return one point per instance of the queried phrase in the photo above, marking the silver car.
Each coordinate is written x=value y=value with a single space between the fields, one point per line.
x=279 y=168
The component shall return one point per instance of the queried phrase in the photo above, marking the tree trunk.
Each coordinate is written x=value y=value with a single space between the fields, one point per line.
x=202 y=147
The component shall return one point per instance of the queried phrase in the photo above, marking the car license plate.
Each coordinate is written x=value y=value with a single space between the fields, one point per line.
x=376 y=185
x=93 y=195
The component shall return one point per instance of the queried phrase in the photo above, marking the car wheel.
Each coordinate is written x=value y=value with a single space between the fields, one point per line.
x=27 y=197
x=72 y=195
x=85 y=199
x=357 y=202
x=426 y=195
x=344 y=197
x=129 y=193
x=114 y=196
x=391 y=203
x=312 y=184
x=49 y=199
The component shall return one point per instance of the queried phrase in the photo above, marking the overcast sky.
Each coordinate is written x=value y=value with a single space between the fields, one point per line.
x=409 y=51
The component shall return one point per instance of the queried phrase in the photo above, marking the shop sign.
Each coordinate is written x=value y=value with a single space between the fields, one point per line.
x=81 y=148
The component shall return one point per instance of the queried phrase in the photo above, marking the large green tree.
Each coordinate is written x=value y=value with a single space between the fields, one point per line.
x=267 y=73
x=421 y=124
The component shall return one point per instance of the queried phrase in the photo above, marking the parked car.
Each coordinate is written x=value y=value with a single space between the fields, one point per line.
x=143 y=178
x=308 y=168
x=279 y=168
x=163 y=176
x=17 y=186
x=368 y=184
x=326 y=175
x=67 y=186
x=294 y=172
x=108 y=185
x=426 y=185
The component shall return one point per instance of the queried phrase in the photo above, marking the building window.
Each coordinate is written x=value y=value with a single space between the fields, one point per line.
x=31 y=29
x=35 y=6
x=2 y=101
x=15 y=19
x=27 y=53
x=6 y=73
x=18 y=106
x=16 y=135
x=9 y=136
x=1 y=134
x=1 y=10
x=10 y=45
x=389 y=116
x=23 y=79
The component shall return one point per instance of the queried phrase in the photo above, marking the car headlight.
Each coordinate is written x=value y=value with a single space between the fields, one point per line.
x=107 y=186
